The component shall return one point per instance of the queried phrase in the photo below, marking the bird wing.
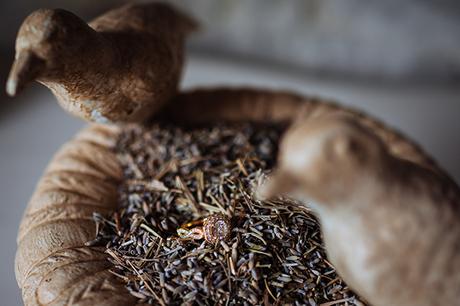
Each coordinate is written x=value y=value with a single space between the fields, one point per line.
x=146 y=17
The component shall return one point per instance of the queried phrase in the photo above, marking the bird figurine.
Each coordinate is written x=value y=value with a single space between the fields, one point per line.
x=391 y=227
x=121 y=67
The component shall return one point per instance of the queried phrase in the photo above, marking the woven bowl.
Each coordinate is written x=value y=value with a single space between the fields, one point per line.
x=53 y=265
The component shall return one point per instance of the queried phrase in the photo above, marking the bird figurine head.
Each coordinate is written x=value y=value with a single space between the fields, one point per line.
x=121 y=67
x=323 y=159
x=45 y=42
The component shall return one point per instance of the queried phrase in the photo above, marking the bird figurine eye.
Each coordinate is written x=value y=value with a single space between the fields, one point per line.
x=212 y=229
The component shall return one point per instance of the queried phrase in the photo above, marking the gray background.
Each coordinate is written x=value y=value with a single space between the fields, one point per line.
x=371 y=64
x=391 y=40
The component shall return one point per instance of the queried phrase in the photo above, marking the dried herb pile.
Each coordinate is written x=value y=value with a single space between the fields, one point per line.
x=172 y=176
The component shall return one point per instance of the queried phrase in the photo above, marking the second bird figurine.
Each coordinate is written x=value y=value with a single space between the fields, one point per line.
x=391 y=227
x=122 y=67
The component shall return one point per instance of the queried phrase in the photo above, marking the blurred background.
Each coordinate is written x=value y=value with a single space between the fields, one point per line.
x=397 y=60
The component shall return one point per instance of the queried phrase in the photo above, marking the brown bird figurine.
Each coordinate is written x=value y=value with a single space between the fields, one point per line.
x=391 y=227
x=121 y=67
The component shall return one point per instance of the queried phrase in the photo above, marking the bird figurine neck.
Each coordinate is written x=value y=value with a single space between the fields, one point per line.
x=391 y=227
x=122 y=67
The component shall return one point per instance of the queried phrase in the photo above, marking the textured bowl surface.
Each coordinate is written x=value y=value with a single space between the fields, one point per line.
x=53 y=265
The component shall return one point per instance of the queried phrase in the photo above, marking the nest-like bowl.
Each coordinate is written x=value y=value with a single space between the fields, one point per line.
x=53 y=265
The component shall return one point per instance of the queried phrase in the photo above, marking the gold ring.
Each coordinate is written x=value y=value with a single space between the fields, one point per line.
x=212 y=229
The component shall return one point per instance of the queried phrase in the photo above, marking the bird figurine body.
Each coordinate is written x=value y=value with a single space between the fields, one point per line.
x=391 y=227
x=122 y=67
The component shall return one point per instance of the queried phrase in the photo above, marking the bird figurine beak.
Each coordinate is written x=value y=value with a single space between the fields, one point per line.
x=280 y=183
x=26 y=67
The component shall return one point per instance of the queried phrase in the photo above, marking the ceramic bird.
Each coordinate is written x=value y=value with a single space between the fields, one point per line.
x=391 y=227
x=121 y=67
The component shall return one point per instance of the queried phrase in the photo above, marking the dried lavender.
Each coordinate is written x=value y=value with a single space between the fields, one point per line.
x=274 y=254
